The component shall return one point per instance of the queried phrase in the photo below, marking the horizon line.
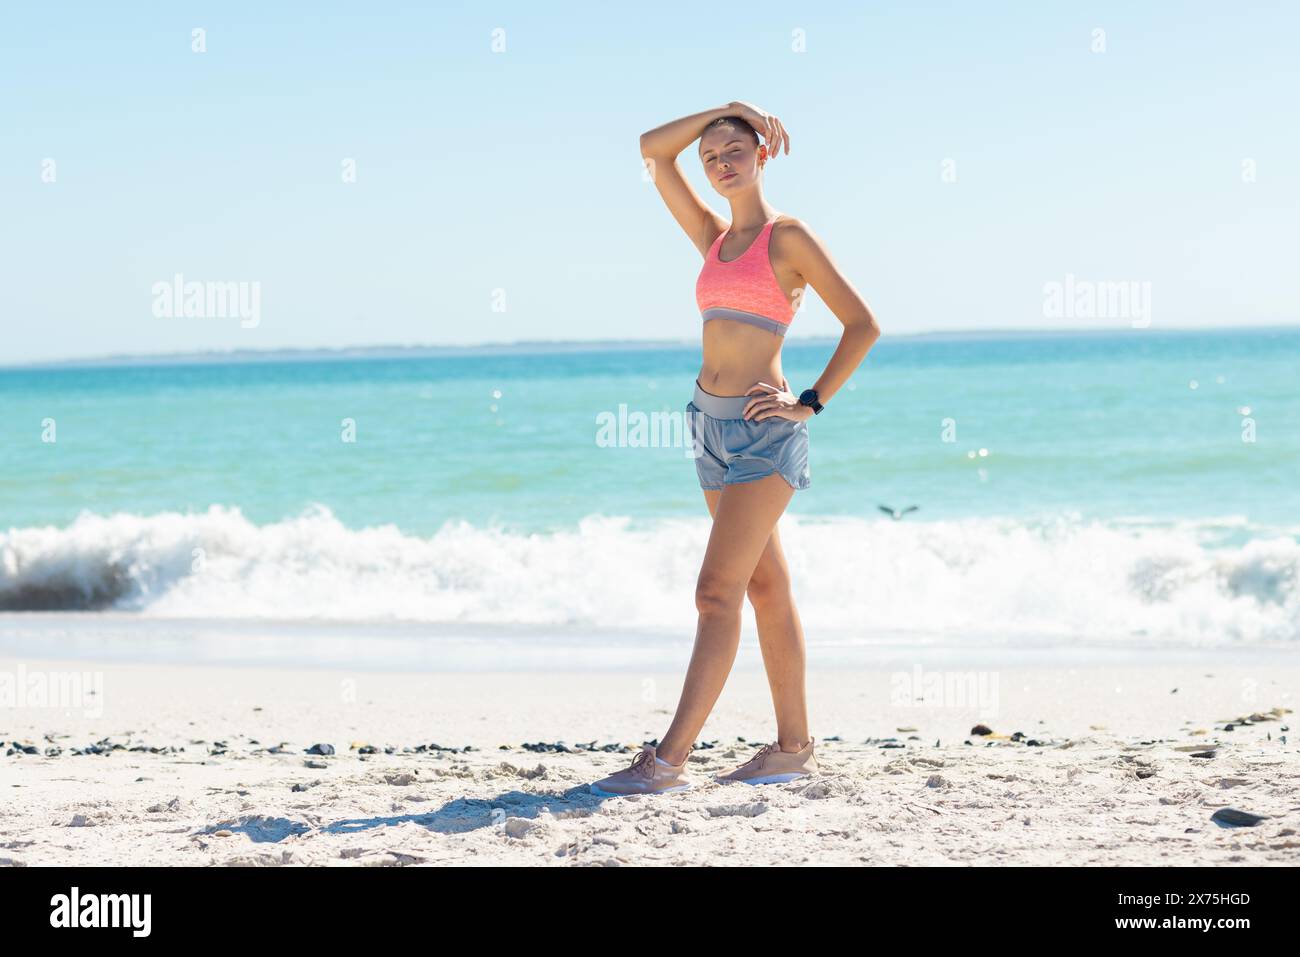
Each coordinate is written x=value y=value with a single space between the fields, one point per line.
x=392 y=350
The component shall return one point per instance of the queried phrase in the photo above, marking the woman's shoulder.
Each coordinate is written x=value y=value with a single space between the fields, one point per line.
x=789 y=230
x=786 y=223
x=793 y=245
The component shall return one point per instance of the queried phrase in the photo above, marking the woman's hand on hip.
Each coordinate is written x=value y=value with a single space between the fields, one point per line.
x=771 y=402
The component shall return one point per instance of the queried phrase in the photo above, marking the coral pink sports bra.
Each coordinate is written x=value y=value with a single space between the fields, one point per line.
x=744 y=289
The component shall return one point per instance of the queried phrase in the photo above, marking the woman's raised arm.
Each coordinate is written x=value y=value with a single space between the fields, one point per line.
x=659 y=149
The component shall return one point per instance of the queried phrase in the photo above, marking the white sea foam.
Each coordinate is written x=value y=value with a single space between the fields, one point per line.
x=1187 y=583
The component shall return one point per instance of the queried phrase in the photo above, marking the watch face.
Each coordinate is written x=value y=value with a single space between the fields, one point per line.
x=808 y=396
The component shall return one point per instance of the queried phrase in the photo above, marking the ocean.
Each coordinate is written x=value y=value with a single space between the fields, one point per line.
x=1117 y=488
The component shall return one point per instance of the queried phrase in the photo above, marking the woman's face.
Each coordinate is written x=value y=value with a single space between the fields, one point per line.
x=730 y=159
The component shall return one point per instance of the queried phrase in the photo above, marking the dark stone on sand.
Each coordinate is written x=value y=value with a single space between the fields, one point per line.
x=1203 y=754
x=593 y=746
x=1231 y=817
x=981 y=730
x=321 y=749
x=565 y=748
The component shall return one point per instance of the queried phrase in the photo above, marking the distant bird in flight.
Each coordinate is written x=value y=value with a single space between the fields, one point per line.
x=897 y=513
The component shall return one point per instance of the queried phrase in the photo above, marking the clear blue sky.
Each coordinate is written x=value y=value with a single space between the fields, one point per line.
x=520 y=170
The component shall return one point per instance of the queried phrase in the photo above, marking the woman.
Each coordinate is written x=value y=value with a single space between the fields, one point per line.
x=750 y=435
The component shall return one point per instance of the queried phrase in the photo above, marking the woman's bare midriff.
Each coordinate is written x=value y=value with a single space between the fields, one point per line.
x=736 y=356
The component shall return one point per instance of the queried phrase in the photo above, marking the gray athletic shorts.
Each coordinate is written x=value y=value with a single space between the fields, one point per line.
x=729 y=449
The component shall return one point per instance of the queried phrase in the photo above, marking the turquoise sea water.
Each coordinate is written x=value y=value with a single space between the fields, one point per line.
x=1106 y=425
x=1156 y=472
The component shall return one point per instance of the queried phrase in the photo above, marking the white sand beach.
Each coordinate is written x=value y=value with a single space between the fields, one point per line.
x=203 y=765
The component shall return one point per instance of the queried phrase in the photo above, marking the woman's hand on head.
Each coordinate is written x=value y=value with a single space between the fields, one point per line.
x=766 y=125
x=772 y=402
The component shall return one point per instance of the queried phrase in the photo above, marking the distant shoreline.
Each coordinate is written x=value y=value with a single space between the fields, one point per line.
x=555 y=346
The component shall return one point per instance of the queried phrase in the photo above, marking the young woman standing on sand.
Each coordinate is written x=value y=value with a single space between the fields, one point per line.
x=750 y=434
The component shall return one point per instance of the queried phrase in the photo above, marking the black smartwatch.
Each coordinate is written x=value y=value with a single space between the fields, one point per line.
x=808 y=397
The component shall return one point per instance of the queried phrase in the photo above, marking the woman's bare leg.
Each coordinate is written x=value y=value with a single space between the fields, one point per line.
x=742 y=524
x=780 y=637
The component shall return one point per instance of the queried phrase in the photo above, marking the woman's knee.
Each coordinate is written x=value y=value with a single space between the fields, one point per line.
x=717 y=595
x=769 y=589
